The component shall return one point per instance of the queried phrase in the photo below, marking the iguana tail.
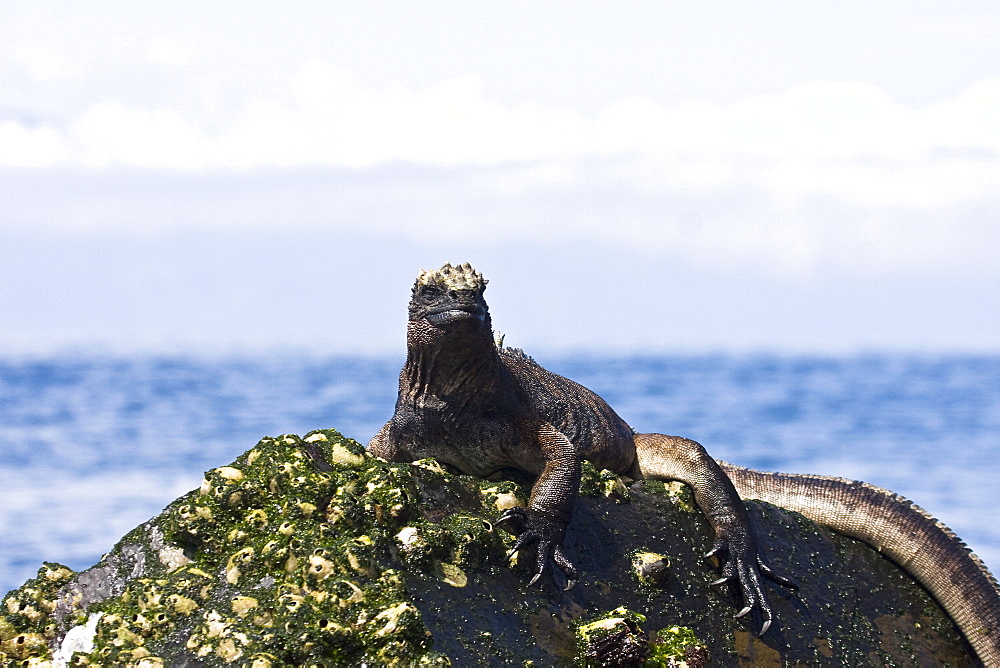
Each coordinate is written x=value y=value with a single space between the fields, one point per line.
x=901 y=530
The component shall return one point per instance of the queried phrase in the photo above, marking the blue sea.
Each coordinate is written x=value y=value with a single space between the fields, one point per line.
x=94 y=445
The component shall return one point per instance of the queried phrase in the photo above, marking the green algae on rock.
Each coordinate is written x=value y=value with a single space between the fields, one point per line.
x=282 y=557
x=308 y=551
x=617 y=639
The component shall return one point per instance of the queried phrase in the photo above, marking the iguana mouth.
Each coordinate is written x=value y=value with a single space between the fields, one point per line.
x=446 y=315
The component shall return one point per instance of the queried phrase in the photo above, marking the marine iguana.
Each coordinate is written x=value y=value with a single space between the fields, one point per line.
x=470 y=403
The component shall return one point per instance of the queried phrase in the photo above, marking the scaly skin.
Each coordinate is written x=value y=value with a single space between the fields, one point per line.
x=466 y=402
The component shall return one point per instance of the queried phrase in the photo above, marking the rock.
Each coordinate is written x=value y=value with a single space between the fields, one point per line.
x=310 y=552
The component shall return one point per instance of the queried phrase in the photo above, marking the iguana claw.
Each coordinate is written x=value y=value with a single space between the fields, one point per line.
x=517 y=519
x=535 y=531
x=741 y=563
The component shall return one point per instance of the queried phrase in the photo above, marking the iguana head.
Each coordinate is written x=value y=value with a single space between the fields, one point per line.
x=446 y=297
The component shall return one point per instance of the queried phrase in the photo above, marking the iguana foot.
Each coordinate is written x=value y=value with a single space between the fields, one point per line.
x=741 y=564
x=547 y=539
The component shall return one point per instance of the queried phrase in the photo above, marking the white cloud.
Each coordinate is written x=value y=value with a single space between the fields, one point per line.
x=21 y=146
x=968 y=28
x=46 y=66
x=817 y=121
x=971 y=120
x=112 y=134
x=322 y=115
x=752 y=170
x=168 y=53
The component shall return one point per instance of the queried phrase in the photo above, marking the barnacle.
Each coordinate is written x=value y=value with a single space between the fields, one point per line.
x=394 y=618
x=229 y=473
x=357 y=594
x=320 y=568
x=263 y=660
x=182 y=604
x=24 y=645
x=410 y=539
x=242 y=605
x=236 y=561
x=256 y=517
x=452 y=574
x=55 y=573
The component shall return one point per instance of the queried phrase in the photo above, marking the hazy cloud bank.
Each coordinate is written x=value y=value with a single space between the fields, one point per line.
x=820 y=133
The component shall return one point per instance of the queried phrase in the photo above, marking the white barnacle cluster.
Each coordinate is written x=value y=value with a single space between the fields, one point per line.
x=462 y=277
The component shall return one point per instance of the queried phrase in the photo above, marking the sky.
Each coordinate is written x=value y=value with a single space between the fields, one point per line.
x=631 y=176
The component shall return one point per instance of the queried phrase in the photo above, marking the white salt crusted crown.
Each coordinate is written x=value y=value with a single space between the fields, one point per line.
x=462 y=277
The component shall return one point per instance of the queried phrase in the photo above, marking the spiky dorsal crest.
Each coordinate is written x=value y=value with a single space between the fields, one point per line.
x=462 y=277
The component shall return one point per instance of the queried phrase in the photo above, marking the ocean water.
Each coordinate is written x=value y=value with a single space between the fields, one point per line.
x=93 y=446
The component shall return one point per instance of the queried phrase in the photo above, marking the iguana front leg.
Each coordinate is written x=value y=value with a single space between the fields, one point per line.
x=674 y=458
x=550 y=506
